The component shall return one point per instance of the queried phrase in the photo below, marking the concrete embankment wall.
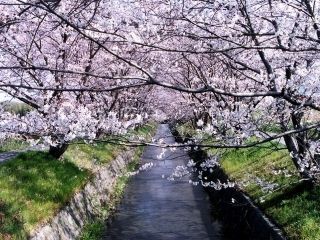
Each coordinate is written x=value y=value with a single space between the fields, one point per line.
x=86 y=204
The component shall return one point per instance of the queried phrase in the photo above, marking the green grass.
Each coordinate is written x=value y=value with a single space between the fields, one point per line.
x=263 y=162
x=146 y=131
x=271 y=128
x=298 y=214
x=186 y=130
x=89 y=155
x=93 y=230
x=12 y=145
x=33 y=188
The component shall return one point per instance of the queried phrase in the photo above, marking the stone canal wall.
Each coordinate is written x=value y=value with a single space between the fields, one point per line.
x=86 y=204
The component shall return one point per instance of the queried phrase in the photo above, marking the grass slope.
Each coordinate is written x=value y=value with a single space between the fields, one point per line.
x=33 y=187
x=88 y=155
x=297 y=213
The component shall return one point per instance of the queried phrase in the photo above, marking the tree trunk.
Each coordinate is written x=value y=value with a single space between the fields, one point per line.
x=57 y=151
x=292 y=146
x=297 y=145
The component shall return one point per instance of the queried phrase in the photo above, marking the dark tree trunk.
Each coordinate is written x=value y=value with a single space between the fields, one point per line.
x=297 y=145
x=57 y=151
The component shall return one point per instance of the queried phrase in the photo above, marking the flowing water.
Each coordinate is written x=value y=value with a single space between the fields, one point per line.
x=154 y=208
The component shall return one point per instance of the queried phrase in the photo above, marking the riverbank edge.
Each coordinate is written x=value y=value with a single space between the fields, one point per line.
x=86 y=204
x=240 y=214
x=241 y=218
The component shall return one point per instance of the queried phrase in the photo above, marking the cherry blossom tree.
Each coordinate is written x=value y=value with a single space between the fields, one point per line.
x=238 y=64
x=70 y=79
x=249 y=61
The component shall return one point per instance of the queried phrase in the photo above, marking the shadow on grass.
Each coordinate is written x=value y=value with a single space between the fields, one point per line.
x=10 y=224
x=298 y=213
x=290 y=192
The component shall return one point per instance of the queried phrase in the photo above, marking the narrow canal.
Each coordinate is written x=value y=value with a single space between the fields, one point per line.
x=158 y=209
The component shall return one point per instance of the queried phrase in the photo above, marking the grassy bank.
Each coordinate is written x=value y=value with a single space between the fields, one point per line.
x=34 y=186
x=87 y=156
x=269 y=177
x=261 y=171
